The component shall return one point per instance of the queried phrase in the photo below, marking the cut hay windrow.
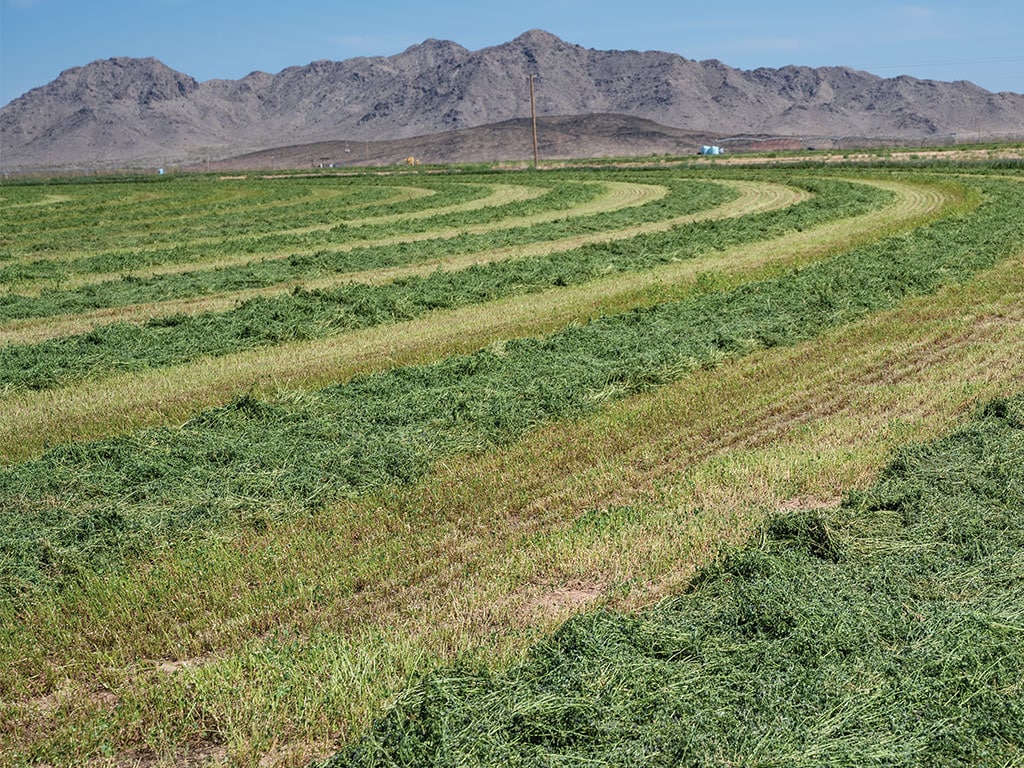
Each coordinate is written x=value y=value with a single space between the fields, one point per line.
x=48 y=417
x=887 y=632
x=103 y=280
x=298 y=632
x=218 y=590
x=754 y=197
x=153 y=215
x=211 y=250
x=302 y=314
x=83 y=505
x=331 y=229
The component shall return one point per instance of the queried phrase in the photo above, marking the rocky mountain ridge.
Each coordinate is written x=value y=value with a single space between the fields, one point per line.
x=136 y=111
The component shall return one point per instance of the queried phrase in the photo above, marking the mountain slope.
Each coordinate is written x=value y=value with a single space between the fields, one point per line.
x=139 y=110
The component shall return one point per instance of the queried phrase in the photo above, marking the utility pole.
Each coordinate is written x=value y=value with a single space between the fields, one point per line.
x=533 y=114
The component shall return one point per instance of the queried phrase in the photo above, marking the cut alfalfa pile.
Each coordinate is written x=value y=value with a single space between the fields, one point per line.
x=888 y=632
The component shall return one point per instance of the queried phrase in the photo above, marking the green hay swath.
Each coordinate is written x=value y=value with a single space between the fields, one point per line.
x=300 y=314
x=889 y=632
x=94 y=505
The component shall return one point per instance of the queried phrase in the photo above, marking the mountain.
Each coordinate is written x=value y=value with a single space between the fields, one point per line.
x=139 y=111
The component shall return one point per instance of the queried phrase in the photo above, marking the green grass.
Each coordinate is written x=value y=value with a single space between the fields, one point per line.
x=889 y=632
x=316 y=314
x=264 y=646
x=311 y=255
x=253 y=585
x=149 y=215
x=92 y=505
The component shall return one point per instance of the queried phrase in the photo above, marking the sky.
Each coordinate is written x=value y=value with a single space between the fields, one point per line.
x=979 y=41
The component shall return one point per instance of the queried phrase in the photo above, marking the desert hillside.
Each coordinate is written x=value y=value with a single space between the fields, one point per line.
x=136 y=111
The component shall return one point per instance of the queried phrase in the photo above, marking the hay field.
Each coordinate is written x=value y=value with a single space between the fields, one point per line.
x=274 y=449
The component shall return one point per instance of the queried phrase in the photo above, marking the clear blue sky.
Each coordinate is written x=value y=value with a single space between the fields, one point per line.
x=981 y=41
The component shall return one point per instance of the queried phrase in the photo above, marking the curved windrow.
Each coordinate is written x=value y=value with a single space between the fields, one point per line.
x=313 y=362
x=649 y=356
x=169 y=339
x=404 y=257
x=312 y=606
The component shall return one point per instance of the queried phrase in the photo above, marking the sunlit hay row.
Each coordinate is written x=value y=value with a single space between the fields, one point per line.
x=315 y=262
x=226 y=251
x=340 y=609
x=120 y=403
x=333 y=701
x=264 y=230
x=389 y=428
x=876 y=626
x=250 y=210
x=501 y=194
x=69 y=231
x=497 y=195
x=308 y=315
x=754 y=197
x=615 y=196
